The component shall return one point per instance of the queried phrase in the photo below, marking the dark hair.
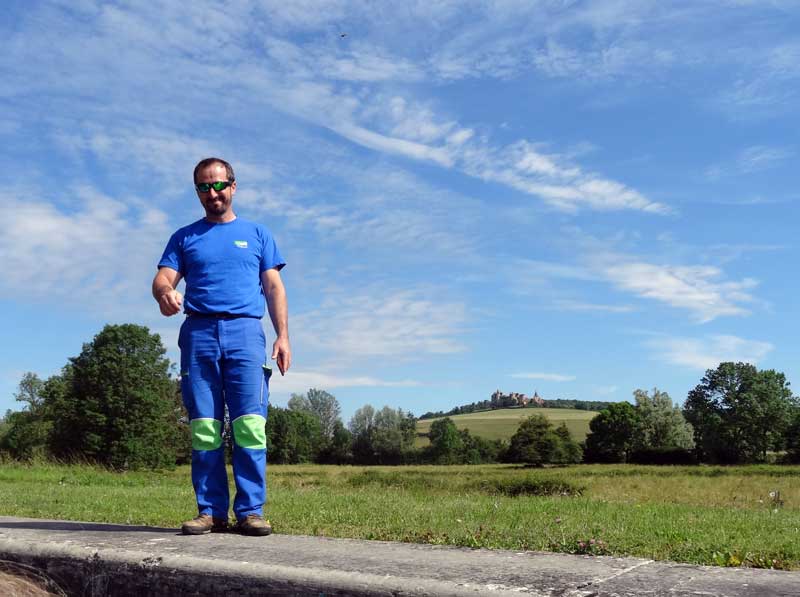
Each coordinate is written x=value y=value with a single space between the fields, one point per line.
x=210 y=161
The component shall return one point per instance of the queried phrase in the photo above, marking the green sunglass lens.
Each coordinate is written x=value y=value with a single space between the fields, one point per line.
x=205 y=187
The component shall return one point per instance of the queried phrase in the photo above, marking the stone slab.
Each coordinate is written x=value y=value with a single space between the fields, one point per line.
x=92 y=559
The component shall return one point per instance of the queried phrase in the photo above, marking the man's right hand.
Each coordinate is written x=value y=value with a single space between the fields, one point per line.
x=170 y=303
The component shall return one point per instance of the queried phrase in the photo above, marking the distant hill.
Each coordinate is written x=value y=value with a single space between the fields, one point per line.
x=503 y=422
x=500 y=400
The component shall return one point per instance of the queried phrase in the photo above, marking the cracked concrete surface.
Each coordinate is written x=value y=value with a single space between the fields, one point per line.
x=91 y=559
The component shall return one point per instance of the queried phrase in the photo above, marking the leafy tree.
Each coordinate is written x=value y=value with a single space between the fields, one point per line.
x=659 y=424
x=27 y=431
x=536 y=443
x=382 y=437
x=30 y=392
x=739 y=413
x=322 y=405
x=447 y=443
x=362 y=427
x=394 y=435
x=4 y=427
x=478 y=450
x=115 y=403
x=362 y=421
x=570 y=450
x=338 y=449
x=611 y=434
x=299 y=403
x=25 y=435
x=292 y=436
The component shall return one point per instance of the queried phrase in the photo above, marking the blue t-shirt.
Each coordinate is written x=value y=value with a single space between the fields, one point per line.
x=222 y=265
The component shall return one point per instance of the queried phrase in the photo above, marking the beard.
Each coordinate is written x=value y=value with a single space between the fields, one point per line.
x=218 y=207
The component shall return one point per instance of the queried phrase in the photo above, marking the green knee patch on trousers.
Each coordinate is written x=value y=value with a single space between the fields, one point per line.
x=249 y=431
x=206 y=434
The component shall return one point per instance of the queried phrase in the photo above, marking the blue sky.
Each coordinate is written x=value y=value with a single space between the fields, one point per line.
x=576 y=198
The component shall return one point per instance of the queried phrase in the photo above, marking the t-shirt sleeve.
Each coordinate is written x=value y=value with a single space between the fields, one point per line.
x=270 y=255
x=173 y=254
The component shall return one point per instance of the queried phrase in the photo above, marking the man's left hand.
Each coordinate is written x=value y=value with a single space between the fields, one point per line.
x=282 y=354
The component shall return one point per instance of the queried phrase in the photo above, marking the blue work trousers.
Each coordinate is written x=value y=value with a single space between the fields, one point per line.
x=223 y=362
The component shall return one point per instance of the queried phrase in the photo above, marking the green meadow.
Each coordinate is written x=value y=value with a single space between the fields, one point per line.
x=727 y=516
x=502 y=423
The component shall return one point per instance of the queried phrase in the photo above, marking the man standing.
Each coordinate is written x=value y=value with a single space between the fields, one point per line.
x=231 y=268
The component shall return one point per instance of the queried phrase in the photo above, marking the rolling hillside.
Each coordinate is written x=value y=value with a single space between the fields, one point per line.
x=502 y=423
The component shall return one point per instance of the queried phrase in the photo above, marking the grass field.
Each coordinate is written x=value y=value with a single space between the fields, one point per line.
x=502 y=423
x=706 y=515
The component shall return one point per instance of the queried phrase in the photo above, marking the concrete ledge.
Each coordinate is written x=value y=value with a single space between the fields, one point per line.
x=91 y=559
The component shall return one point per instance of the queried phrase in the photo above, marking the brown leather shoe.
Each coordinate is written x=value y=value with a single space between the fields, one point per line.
x=204 y=523
x=254 y=525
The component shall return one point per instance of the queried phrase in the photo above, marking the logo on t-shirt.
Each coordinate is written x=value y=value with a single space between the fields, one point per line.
x=242 y=244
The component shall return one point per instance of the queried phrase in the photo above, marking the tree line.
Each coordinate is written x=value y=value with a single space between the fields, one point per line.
x=737 y=414
x=117 y=404
x=484 y=405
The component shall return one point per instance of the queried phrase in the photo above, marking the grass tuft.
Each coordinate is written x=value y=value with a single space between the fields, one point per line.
x=531 y=486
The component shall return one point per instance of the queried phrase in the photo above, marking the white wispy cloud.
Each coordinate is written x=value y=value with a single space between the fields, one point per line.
x=605 y=390
x=571 y=305
x=761 y=157
x=709 y=351
x=371 y=66
x=767 y=80
x=756 y=158
x=544 y=376
x=443 y=40
x=552 y=178
x=617 y=59
x=307 y=15
x=303 y=80
x=748 y=99
x=163 y=158
x=74 y=254
x=754 y=200
x=725 y=252
x=522 y=165
x=376 y=208
x=536 y=269
x=701 y=290
x=393 y=145
x=300 y=380
x=341 y=60
x=401 y=324
x=632 y=44
x=419 y=123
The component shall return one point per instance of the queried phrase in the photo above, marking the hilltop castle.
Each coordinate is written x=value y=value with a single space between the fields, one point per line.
x=501 y=400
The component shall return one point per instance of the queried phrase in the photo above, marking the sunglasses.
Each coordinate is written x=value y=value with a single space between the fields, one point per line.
x=220 y=185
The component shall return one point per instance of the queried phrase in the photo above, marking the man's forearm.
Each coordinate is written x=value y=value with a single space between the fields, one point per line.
x=279 y=314
x=161 y=286
x=279 y=311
